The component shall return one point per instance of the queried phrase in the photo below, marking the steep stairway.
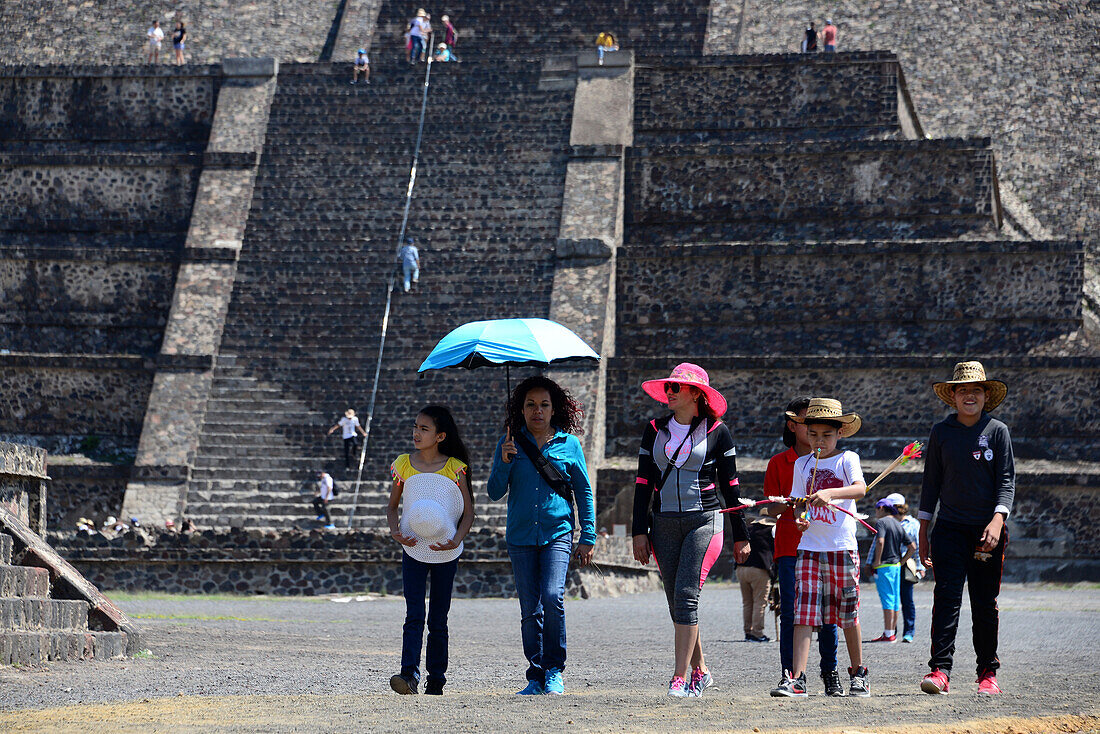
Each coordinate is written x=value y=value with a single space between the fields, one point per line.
x=301 y=335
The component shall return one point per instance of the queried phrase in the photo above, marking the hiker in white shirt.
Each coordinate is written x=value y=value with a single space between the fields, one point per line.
x=348 y=426
x=155 y=36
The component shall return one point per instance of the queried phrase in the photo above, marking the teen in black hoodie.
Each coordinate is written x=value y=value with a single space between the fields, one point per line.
x=970 y=477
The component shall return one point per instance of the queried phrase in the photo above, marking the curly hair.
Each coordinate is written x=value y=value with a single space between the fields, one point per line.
x=567 y=411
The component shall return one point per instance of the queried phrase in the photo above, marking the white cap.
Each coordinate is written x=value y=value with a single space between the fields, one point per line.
x=896 y=499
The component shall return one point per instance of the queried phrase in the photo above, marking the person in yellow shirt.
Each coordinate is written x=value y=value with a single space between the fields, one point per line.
x=605 y=42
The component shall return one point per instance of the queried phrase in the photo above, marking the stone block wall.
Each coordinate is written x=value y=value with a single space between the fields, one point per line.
x=23 y=485
x=307 y=564
x=113 y=31
x=71 y=395
x=838 y=190
x=110 y=103
x=767 y=97
x=904 y=298
x=80 y=300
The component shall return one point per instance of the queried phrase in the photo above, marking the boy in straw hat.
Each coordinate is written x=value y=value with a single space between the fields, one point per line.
x=827 y=571
x=970 y=476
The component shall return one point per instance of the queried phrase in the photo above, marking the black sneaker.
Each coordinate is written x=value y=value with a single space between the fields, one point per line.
x=433 y=688
x=857 y=682
x=791 y=687
x=831 y=679
x=404 y=684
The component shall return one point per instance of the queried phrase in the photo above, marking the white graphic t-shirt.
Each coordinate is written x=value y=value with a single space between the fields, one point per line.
x=830 y=530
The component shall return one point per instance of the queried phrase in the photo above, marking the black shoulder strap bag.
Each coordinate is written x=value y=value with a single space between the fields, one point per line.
x=545 y=467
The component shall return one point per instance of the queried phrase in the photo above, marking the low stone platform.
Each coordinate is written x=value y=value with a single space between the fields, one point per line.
x=310 y=563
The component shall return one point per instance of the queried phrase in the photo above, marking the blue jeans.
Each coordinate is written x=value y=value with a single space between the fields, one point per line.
x=539 y=572
x=826 y=634
x=908 y=608
x=417 y=48
x=414 y=579
x=411 y=271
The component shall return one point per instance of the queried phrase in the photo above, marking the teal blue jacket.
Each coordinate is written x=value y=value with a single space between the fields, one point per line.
x=536 y=513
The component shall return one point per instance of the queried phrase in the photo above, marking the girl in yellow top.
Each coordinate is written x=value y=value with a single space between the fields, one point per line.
x=437 y=514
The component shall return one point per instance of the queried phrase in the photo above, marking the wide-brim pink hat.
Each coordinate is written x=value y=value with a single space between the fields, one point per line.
x=689 y=374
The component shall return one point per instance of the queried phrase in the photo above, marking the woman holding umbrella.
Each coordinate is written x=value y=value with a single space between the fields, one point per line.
x=686 y=459
x=539 y=464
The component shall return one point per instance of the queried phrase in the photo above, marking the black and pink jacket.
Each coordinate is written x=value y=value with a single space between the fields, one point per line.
x=693 y=485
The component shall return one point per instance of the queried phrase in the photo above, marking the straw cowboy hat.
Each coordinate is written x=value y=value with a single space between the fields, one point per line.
x=421 y=13
x=972 y=373
x=827 y=409
x=691 y=375
x=432 y=507
x=349 y=413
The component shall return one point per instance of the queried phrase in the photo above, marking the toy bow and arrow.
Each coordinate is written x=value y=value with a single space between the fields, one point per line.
x=912 y=451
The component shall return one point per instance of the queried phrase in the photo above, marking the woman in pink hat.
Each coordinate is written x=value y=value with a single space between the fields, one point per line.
x=686 y=459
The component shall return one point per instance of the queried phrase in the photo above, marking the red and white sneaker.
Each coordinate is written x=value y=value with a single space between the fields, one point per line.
x=886 y=638
x=987 y=684
x=935 y=682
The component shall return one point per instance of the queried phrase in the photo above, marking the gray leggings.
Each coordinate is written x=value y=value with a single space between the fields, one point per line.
x=685 y=546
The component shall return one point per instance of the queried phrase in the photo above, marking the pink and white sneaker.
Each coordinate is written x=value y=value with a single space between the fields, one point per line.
x=935 y=682
x=987 y=684
x=678 y=688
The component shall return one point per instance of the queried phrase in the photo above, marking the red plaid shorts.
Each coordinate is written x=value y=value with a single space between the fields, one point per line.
x=826 y=585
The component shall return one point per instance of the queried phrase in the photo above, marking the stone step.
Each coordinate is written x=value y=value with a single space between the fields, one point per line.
x=38 y=647
x=30 y=613
x=23 y=581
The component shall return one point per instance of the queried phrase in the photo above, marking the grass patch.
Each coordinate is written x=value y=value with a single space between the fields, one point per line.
x=207 y=617
x=165 y=596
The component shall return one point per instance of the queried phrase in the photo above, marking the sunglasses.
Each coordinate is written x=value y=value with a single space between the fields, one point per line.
x=673 y=387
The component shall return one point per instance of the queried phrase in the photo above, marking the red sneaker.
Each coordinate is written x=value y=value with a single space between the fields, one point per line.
x=987 y=684
x=885 y=638
x=935 y=682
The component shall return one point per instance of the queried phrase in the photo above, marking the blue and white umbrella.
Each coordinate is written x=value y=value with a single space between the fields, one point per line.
x=509 y=343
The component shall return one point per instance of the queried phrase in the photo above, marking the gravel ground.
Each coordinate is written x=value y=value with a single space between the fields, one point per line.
x=273 y=664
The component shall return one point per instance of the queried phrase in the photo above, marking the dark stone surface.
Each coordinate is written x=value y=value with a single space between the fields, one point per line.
x=766 y=97
x=833 y=190
x=904 y=298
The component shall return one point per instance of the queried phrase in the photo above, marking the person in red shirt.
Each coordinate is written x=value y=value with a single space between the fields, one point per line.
x=828 y=37
x=777 y=483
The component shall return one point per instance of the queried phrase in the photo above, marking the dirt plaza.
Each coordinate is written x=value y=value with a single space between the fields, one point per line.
x=270 y=664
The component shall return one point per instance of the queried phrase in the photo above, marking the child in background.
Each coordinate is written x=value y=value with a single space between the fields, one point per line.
x=911 y=571
x=828 y=567
x=436 y=516
x=891 y=548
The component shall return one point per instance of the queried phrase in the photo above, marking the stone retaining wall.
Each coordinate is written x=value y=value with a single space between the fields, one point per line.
x=98 y=192
x=82 y=302
x=107 y=103
x=65 y=395
x=308 y=564
x=23 y=484
x=904 y=298
x=836 y=190
x=767 y=97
